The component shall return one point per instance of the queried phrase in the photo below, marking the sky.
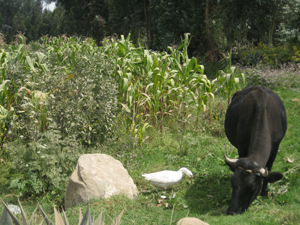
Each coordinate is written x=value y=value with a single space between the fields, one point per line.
x=51 y=6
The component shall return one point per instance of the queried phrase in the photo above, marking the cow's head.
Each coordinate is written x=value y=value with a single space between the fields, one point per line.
x=247 y=182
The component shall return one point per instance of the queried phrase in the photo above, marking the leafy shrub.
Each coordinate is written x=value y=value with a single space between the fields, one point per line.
x=42 y=166
x=273 y=56
x=211 y=69
x=287 y=76
x=66 y=85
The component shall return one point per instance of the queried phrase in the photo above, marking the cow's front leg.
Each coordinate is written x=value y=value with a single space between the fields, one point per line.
x=264 y=190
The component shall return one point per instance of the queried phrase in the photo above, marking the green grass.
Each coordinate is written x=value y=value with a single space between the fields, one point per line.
x=208 y=196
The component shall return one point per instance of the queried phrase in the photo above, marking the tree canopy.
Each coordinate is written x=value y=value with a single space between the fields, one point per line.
x=157 y=23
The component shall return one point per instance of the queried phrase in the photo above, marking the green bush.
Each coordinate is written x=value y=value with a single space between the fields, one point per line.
x=42 y=166
x=286 y=76
x=66 y=85
x=273 y=56
x=54 y=104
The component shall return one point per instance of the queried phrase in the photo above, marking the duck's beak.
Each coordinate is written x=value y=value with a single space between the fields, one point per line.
x=191 y=179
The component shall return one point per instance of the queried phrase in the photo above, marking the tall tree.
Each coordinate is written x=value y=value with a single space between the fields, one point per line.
x=20 y=16
x=90 y=17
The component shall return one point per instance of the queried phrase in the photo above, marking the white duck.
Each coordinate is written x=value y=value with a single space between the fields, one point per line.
x=164 y=179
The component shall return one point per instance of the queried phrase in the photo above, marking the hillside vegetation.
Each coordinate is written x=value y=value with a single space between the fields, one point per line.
x=62 y=97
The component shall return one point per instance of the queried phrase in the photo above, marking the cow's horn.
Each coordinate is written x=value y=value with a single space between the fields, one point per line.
x=264 y=172
x=230 y=161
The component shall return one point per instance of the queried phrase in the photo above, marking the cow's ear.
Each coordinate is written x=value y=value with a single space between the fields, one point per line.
x=273 y=177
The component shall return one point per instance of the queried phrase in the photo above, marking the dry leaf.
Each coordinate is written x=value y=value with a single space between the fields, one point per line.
x=287 y=159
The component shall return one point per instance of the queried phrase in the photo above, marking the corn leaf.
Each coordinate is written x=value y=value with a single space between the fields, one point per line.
x=30 y=63
x=2 y=86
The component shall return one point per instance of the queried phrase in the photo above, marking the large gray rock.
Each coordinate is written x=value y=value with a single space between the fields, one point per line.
x=191 y=221
x=98 y=176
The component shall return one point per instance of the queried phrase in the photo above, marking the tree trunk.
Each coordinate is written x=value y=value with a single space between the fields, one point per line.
x=211 y=42
x=271 y=32
x=148 y=24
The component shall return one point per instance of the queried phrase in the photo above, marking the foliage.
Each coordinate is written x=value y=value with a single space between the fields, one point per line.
x=229 y=80
x=155 y=85
x=208 y=196
x=287 y=76
x=156 y=23
x=57 y=97
x=20 y=16
x=43 y=166
x=262 y=54
x=155 y=107
x=67 y=86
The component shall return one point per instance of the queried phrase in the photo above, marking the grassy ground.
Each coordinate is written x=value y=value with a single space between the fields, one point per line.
x=208 y=196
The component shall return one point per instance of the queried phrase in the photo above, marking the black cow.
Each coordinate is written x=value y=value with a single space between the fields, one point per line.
x=255 y=124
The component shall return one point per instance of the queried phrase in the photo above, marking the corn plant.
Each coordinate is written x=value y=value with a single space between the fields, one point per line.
x=156 y=83
x=37 y=108
x=229 y=80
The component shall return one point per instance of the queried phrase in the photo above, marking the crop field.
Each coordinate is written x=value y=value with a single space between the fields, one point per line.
x=62 y=97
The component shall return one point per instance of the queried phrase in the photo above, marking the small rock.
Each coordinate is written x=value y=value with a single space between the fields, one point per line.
x=191 y=221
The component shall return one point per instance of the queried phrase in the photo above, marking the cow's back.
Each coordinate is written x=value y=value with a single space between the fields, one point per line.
x=251 y=110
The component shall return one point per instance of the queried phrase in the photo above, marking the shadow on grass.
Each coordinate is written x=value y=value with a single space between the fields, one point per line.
x=209 y=194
